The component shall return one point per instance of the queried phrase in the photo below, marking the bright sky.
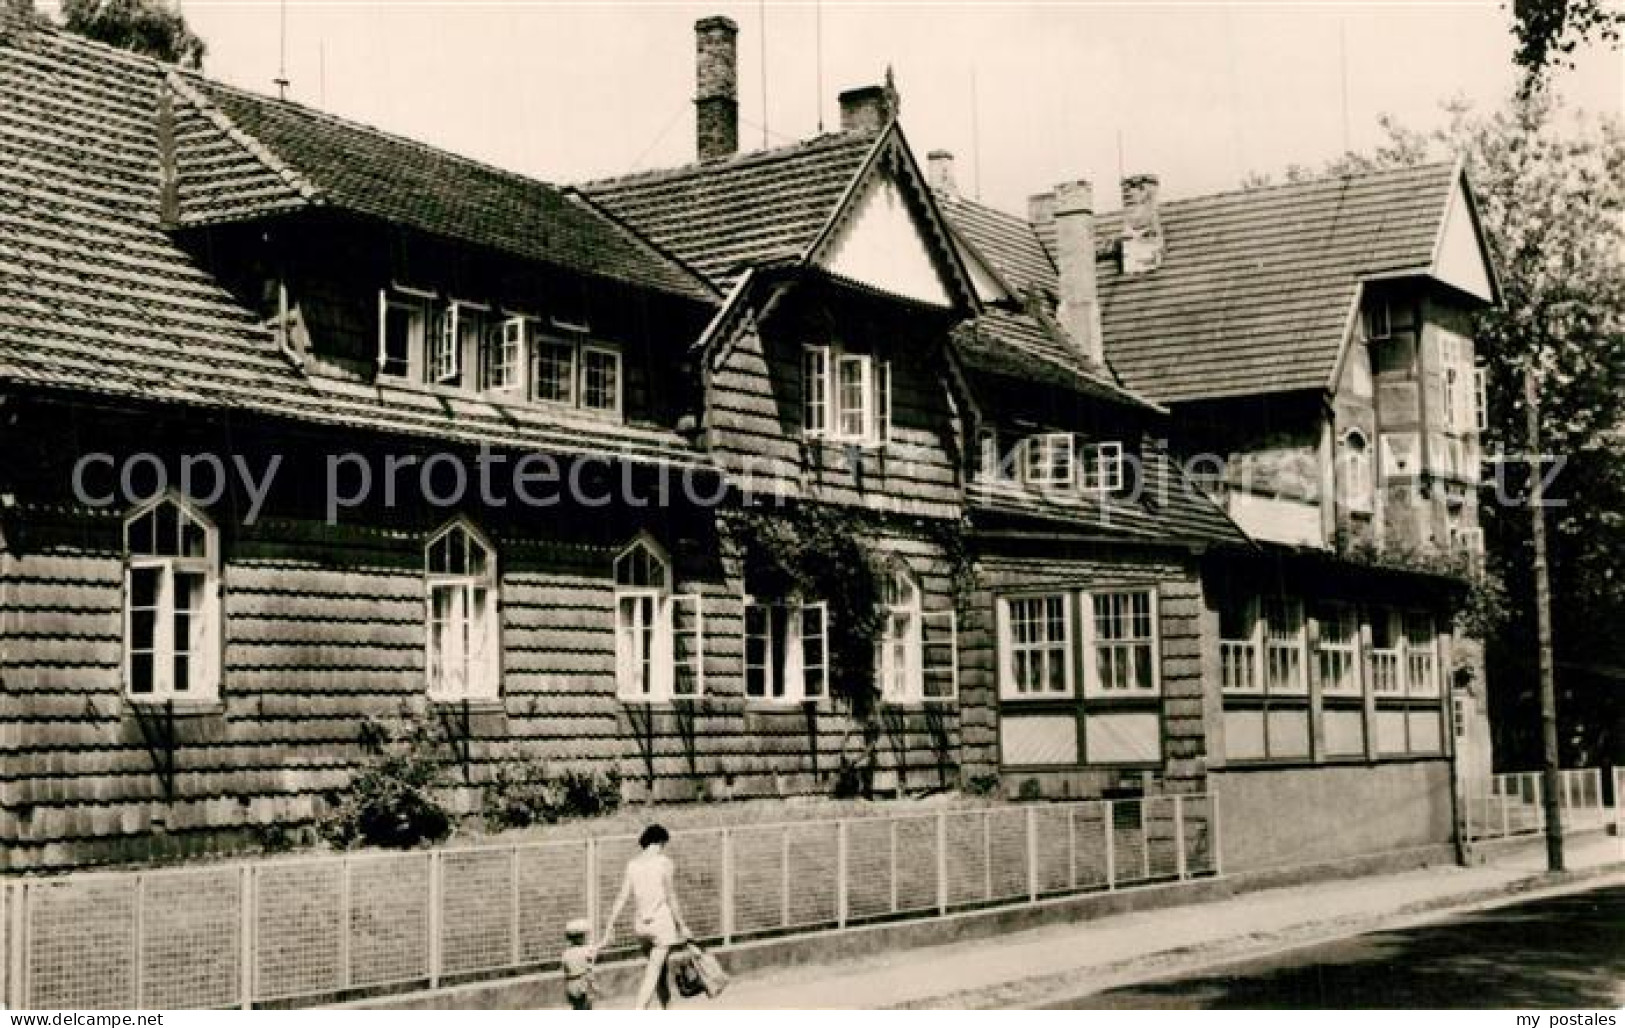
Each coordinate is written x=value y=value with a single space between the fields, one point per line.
x=1199 y=92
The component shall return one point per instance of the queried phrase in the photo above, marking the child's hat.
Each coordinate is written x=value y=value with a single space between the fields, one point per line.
x=577 y=927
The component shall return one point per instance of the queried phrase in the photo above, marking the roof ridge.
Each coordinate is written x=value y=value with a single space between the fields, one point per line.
x=1304 y=184
x=259 y=150
x=739 y=160
x=43 y=26
x=305 y=110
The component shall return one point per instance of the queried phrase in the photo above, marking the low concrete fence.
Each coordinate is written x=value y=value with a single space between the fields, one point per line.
x=1507 y=805
x=306 y=930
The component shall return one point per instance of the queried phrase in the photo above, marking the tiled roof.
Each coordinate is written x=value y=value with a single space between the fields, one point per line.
x=1168 y=510
x=1256 y=288
x=96 y=297
x=253 y=155
x=720 y=217
x=1019 y=346
x=1004 y=241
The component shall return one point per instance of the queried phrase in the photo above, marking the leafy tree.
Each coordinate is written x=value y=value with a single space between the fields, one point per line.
x=152 y=27
x=1548 y=31
x=1552 y=201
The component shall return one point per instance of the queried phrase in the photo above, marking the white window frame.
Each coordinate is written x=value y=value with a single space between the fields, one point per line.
x=656 y=605
x=1413 y=654
x=797 y=677
x=540 y=347
x=443 y=364
x=417 y=304
x=617 y=370
x=478 y=639
x=1051 y=649
x=1131 y=646
x=1345 y=653
x=1481 y=397
x=204 y=647
x=901 y=656
x=1287 y=647
x=826 y=413
x=502 y=355
x=1103 y=467
x=1252 y=646
x=1049 y=460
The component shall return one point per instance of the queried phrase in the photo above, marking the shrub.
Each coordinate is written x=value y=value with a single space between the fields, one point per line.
x=523 y=792
x=394 y=799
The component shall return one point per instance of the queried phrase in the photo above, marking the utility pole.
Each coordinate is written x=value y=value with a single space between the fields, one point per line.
x=1551 y=786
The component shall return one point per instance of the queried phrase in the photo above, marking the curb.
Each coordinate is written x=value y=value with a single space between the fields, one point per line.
x=1185 y=959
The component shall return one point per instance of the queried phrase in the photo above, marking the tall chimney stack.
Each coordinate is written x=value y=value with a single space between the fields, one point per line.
x=1142 y=226
x=1041 y=210
x=716 y=90
x=1079 y=308
x=870 y=108
x=940 y=165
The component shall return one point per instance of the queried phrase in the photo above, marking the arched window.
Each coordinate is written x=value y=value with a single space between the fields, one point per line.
x=460 y=571
x=901 y=642
x=171 y=603
x=1358 y=484
x=658 y=634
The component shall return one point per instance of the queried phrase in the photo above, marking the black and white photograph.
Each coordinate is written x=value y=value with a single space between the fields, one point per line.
x=534 y=506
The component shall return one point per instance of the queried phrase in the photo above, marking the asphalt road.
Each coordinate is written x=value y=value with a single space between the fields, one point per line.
x=1563 y=952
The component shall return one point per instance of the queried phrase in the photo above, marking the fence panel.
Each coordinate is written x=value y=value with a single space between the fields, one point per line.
x=814 y=874
x=965 y=858
x=476 y=913
x=389 y=920
x=1131 y=861
x=870 y=868
x=1197 y=822
x=1162 y=860
x=81 y=937
x=1007 y=846
x=1052 y=862
x=297 y=929
x=553 y=890
x=191 y=924
x=1091 y=846
x=916 y=880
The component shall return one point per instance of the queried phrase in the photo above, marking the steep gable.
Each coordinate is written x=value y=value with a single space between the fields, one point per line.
x=882 y=245
x=1461 y=259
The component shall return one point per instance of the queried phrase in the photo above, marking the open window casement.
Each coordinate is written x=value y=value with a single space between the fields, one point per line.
x=502 y=354
x=686 y=614
x=445 y=347
x=814 y=649
x=940 y=656
x=172 y=610
x=815 y=390
x=881 y=432
x=786 y=651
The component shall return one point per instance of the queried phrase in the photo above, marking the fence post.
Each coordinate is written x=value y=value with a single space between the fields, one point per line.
x=942 y=861
x=840 y=873
x=17 y=975
x=344 y=923
x=593 y=912
x=892 y=824
x=727 y=886
x=1072 y=847
x=1032 y=854
x=1109 y=822
x=1213 y=836
x=1540 y=801
x=1506 y=819
x=1179 y=838
x=784 y=877
x=245 y=938
x=987 y=852
x=434 y=918
x=140 y=958
x=513 y=904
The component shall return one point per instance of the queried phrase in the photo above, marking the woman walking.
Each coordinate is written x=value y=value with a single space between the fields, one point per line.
x=657 y=918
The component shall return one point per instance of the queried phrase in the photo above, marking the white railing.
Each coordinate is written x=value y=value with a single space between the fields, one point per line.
x=1238 y=666
x=1384 y=666
x=1510 y=804
x=310 y=929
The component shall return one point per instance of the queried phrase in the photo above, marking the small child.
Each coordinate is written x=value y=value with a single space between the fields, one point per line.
x=578 y=960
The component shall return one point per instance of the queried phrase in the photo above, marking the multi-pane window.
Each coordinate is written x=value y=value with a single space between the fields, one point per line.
x=1283 y=646
x=1336 y=649
x=1421 y=656
x=1383 y=659
x=786 y=651
x=1407 y=686
x=902 y=641
x=1037 y=651
x=1123 y=643
x=445 y=364
x=172 y=607
x=1460 y=383
x=600 y=379
x=403 y=328
x=556 y=372
x=845 y=396
x=502 y=355
x=1050 y=459
x=1481 y=398
x=464 y=656
x=659 y=634
x=1102 y=467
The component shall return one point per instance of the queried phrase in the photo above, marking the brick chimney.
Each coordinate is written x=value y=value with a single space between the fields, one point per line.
x=1142 y=227
x=1041 y=210
x=1079 y=307
x=940 y=167
x=870 y=108
x=716 y=92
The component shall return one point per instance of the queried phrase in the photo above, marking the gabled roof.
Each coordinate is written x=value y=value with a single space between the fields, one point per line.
x=722 y=217
x=1258 y=289
x=241 y=155
x=1019 y=344
x=96 y=297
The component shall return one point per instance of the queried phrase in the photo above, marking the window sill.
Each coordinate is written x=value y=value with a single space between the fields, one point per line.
x=503 y=397
x=921 y=703
x=483 y=705
x=771 y=705
x=834 y=443
x=180 y=708
x=658 y=702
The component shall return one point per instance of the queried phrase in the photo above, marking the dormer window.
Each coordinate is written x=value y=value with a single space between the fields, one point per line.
x=1050 y=460
x=846 y=397
x=578 y=374
x=502 y=354
x=1103 y=467
x=403 y=326
x=1060 y=460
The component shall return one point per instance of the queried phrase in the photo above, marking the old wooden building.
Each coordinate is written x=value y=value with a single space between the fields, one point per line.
x=307 y=423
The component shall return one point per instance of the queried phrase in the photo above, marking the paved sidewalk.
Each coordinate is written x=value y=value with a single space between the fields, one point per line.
x=1017 y=968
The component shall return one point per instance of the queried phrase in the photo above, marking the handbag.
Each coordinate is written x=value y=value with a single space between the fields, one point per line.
x=696 y=971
